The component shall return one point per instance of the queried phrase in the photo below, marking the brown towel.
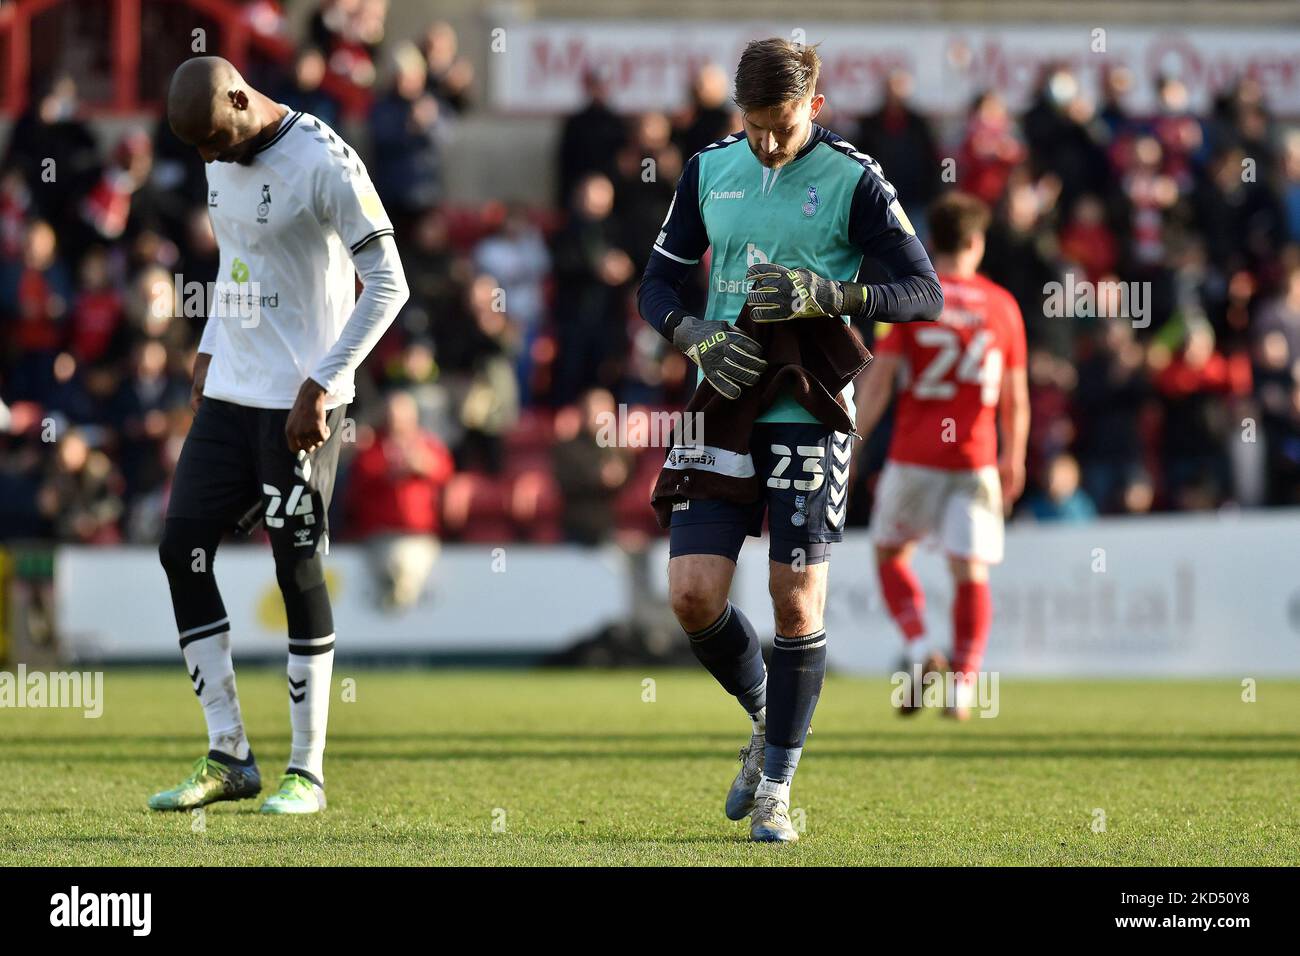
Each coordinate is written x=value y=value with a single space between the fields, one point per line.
x=811 y=359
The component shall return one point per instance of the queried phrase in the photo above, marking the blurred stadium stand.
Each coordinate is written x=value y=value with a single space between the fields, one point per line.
x=1133 y=422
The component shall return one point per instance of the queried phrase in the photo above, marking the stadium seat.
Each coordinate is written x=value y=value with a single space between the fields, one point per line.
x=474 y=509
x=632 y=509
x=536 y=505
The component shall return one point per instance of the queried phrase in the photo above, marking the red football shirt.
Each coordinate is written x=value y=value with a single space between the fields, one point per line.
x=951 y=375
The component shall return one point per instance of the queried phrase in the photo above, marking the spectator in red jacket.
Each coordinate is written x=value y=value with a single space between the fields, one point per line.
x=97 y=312
x=35 y=292
x=991 y=147
x=392 y=503
x=1196 y=384
x=1087 y=241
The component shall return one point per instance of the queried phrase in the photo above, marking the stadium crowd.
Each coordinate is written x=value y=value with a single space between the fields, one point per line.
x=478 y=415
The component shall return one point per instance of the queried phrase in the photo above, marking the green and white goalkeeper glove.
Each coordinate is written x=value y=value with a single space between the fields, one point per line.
x=731 y=361
x=778 y=294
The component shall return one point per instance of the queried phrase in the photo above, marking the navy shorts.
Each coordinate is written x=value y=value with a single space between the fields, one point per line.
x=804 y=471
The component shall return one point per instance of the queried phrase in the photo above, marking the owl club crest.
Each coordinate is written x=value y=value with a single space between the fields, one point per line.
x=810 y=207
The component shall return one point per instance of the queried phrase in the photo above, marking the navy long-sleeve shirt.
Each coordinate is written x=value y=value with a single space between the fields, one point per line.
x=828 y=207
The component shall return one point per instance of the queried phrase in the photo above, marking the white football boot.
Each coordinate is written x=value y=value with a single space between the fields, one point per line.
x=740 y=798
x=770 y=820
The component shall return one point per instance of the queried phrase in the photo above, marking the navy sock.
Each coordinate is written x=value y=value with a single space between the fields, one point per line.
x=794 y=684
x=227 y=759
x=729 y=649
x=310 y=776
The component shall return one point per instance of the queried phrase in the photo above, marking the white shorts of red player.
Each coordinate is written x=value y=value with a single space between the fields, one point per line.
x=959 y=510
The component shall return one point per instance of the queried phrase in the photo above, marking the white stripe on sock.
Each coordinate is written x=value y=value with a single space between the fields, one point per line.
x=204 y=627
x=311 y=641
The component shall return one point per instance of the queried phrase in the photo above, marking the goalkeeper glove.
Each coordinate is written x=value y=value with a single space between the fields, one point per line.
x=778 y=294
x=730 y=360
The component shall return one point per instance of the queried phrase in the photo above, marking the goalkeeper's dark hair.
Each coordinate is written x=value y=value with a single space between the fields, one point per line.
x=955 y=219
x=774 y=72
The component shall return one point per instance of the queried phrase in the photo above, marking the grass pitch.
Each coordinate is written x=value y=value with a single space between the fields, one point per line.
x=501 y=768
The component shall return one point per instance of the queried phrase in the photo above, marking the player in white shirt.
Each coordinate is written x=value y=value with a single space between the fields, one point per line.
x=297 y=220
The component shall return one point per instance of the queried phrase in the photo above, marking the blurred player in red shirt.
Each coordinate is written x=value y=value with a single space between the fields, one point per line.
x=958 y=380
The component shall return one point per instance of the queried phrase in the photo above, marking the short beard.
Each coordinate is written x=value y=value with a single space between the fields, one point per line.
x=784 y=159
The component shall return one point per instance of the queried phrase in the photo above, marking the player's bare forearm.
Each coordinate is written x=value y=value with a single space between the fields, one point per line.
x=201 y=362
x=305 y=428
x=873 y=390
x=1014 y=412
x=1013 y=419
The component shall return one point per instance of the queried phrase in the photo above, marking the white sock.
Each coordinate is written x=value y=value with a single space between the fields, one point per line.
x=767 y=786
x=759 y=721
x=309 y=704
x=212 y=673
x=964 y=692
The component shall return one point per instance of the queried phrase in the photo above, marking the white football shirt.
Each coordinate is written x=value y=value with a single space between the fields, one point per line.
x=288 y=225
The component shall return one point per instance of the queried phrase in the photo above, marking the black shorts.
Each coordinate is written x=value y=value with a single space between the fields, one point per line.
x=804 y=469
x=236 y=458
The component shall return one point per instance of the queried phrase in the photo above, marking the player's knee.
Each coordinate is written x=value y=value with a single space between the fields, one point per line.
x=306 y=598
x=886 y=555
x=298 y=574
x=185 y=549
x=170 y=551
x=968 y=569
x=798 y=598
x=796 y=618
x=696 y=605
x=796 y=611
